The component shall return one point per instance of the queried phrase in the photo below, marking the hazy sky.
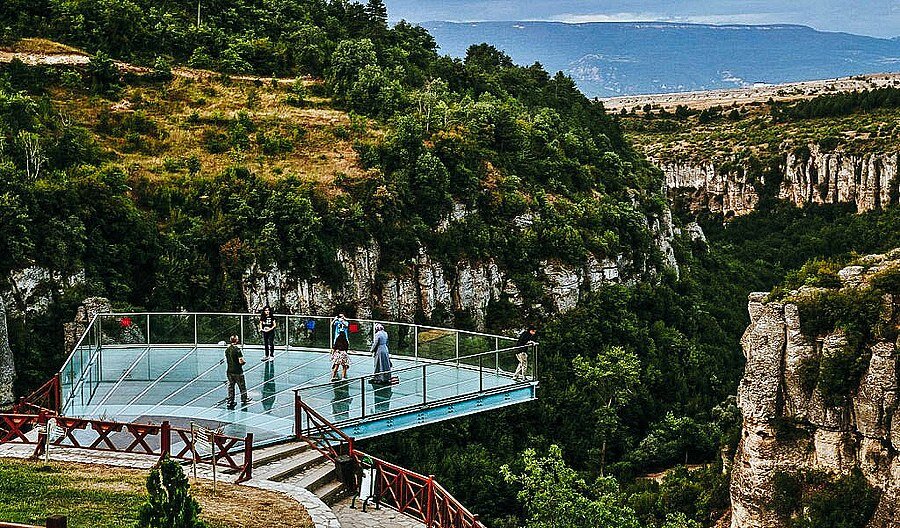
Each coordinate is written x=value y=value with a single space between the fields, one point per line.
x=879 y=18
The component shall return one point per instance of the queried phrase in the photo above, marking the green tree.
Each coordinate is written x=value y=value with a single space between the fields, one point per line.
x=349 y=59
x=555 y=496
x=612 y=377
x=170 y=504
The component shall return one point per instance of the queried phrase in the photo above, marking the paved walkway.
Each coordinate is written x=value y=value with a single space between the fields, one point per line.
x=372 y=518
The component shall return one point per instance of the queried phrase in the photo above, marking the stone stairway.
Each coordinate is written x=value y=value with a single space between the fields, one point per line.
x=297 y=464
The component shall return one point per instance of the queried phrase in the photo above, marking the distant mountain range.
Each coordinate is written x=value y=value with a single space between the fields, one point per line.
x=623 y=58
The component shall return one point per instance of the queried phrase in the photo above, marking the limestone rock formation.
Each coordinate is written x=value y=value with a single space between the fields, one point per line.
x=428 y=287
x=90 y=307
x=32 y=288
x=789 y=427
x=7 y=365
x=809 y=175
x=705 y=187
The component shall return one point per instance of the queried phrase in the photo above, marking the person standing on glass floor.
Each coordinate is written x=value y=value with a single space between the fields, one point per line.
x=267 y=326
x=234 y=359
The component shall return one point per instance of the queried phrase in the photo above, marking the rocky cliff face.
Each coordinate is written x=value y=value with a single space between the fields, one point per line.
x=866 y=180
x=775 y=391
x=428 y=287
x=7 y=367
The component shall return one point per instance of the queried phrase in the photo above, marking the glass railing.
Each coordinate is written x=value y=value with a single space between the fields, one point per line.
x=429 y=382
x=446 y=363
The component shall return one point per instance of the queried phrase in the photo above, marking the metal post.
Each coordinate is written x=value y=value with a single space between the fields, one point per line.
x=535 y=370
x=298 y=424
x=416 y=341
x=242 y=330
x=196 y=338
x=424 y=385
x=287 y=333
x=480 y=373
x=148 y=330
x=457 y=347
x=212 y=440
x=362 y=392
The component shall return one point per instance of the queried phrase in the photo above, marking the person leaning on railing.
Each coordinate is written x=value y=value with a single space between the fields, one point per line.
x=526 y=339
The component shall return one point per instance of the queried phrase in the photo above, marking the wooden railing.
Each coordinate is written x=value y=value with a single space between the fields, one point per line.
x=54 y=521
x=119 y=437
x=45 y=399
x=408 y=492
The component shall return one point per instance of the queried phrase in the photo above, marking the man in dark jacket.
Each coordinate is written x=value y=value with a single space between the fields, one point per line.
x=526 y=339
x=235 y=359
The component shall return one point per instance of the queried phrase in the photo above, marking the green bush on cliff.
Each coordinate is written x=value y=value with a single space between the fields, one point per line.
x=856 y=312
x=814 y=499
x=847 y=501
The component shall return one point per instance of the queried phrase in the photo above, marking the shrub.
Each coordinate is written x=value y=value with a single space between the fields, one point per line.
x=104 y=74
x=787 y=494
x=808 y=372
x=819 y=273
x=841 y=371
x=215 y=141
x=162 y=70
x=170 y=503
x=845 y=502
x=298 y=94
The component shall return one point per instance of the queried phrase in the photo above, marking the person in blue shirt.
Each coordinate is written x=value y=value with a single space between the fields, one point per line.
x=339 y=326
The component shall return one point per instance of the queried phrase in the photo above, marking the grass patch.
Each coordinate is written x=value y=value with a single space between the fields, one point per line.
x=94 y=496
x=758 y=133
x=42 y=46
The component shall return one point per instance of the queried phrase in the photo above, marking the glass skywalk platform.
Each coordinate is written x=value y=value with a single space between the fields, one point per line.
x=147 y=368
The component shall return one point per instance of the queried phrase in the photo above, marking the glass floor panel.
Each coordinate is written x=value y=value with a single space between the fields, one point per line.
x=185 y=384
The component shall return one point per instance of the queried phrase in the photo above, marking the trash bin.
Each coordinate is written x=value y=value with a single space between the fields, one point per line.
x=346 y=470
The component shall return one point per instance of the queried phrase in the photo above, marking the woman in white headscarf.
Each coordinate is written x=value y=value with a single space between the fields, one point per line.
x=382 y=357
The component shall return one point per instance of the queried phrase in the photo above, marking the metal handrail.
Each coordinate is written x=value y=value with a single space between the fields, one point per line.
x=81 y=339
x=306 y=316
x=429 y=362
x=461 y=516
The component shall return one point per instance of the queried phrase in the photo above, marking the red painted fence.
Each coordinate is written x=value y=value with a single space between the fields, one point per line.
x=142 y=439
x=409 y=493
x=47 y=398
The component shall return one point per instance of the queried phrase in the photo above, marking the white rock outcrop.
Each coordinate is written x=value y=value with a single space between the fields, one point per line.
x=817 y=177
x=774 y=394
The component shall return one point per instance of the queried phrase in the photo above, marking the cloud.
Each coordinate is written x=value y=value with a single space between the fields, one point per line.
x=581 y=18
x=718 y=19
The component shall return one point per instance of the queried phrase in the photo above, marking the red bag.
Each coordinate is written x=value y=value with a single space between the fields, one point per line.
x=354 y=328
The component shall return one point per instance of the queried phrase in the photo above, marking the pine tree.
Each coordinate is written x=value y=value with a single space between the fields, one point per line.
x=170 y=504
x=377 y=13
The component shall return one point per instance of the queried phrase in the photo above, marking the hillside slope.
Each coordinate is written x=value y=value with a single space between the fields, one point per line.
x=838 y=147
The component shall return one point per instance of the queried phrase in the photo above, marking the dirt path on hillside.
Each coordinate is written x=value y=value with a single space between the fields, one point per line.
x=80 y=59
